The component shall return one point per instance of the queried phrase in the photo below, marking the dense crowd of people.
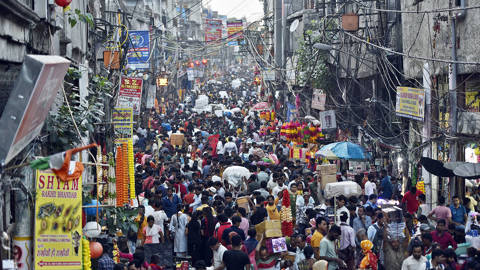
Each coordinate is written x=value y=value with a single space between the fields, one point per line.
x=188 y=211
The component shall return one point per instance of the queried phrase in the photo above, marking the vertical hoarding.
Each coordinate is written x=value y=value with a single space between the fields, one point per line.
x=328 y=119
x=410 y=103
x=213 y=30
x=318 y=100
x=130 y=94
x=138 y=54
x=234 y=31
x=122 y=119
x=58 y=222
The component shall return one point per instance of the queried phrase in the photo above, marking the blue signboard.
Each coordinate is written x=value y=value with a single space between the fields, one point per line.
x=138 y=53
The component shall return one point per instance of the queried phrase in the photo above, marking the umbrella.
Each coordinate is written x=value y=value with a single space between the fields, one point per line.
x=468 y=170
x=344 y=150
x=260 y=106
x=326 y=153
x=436 y=167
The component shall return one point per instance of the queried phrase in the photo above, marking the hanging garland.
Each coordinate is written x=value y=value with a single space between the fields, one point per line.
x=131 y=169
x=286 y=215
x=87 y=263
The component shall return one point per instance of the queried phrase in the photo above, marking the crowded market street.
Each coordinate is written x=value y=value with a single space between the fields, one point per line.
x=239 y=135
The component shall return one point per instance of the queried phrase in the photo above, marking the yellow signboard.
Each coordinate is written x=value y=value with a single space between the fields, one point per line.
x=122 y=119
x=411 y=103
x=472 y=101
x=58 y=222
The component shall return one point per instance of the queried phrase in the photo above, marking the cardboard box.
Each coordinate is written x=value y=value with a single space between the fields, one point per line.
x=327 y=169
x=271 y=228
x=327 y=178
x=243 y=202
x=176 y=139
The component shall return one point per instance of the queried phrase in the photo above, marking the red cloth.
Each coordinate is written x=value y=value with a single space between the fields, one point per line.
x=212 y=142
x=219 y=233
x=445 y=240
x=412 y=201
x=180 y=187
x=148 y=183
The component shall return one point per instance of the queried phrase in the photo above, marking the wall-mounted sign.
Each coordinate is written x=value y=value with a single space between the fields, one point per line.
x=410 y=103
x=130 y=94
x=318 y=100
x=162 y=81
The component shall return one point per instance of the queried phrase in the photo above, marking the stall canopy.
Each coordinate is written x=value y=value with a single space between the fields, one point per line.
x=436 y=167
x=343 y=150
x=451 y=169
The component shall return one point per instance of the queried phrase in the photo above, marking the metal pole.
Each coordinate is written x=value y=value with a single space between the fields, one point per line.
x=278 y=32
x=452 y=78
x=427 y=130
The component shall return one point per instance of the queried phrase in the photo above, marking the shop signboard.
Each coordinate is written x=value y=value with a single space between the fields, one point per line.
x=138 y=54
x=318 y=100
x=234 y=31
x=130 y=94
x=122 y=119
x=151 y=94
x=58 y=222
x=410 y=103
x=29 y=102
x=213 y=30
x=328 y=120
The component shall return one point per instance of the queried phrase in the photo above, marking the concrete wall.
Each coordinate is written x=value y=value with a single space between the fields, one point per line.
x=420 y=38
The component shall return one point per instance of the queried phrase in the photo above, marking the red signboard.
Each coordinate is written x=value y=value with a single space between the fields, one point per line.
x=130 y=95
x=29 y=102
x=213 y=30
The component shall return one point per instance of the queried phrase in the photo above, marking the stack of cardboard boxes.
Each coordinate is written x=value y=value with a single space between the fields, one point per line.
x=327 y=174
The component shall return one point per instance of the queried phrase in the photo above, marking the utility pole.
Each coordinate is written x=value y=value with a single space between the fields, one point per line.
x=278 y=48
x=452 y=78
x=427 y=132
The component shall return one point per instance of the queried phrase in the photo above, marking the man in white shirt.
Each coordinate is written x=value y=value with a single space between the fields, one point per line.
x=370 y=186
x=218 y=250
x=230 y=147
x=159 y=215
x=416 y=260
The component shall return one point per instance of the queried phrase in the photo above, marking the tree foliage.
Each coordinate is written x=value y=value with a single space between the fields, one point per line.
x=86 y=113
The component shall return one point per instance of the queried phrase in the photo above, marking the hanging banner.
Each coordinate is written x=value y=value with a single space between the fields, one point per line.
x=328 y=119
x=291 y=112
x=151 y=94
x=138 y=54
x=410 y=103
x=130 y=94
x=472 y=101
x=122 y=119
x=213 y=30
x=234 y=31
x=58 y=222
x=318 y=100
x=224 y=26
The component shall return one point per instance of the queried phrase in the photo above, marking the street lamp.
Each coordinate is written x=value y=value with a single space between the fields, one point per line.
x=322 y=46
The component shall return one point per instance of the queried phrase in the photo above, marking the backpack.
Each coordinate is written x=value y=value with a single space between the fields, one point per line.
x=377 y=240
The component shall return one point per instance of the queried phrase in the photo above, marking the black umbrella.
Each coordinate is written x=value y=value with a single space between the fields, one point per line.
x=436 y=167
x=468 y=170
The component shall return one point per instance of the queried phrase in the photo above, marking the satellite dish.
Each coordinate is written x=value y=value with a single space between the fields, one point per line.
x=294 y=25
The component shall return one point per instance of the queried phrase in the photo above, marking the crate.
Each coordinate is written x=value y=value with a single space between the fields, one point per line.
x=176 y=139
x=271 y=228
x=243 y=202
x=327 y=169
x=328 y=178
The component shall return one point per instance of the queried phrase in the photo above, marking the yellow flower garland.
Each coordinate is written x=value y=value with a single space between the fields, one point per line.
x=87 y=263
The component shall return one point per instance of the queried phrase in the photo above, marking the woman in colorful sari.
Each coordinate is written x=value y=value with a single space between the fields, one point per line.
x=370 y=261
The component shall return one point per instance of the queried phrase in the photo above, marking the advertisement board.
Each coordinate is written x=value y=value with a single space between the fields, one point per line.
x=130 y=94
x=213 y=30
x=122 y=119
x=410 y=103
x=328 y=119
x=318 y=100
x=58 y=222
x=29 y=102
x=234 y=31
x=138 y=54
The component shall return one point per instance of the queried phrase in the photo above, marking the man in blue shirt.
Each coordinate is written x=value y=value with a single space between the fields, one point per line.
x=459 y=213
x=386 y=186
x=170 y=203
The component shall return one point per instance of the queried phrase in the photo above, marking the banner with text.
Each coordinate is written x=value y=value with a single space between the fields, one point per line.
x=234 y=31
x=58 y=222
x=138 y=53
x=122 y=119
x=318 y=100
x=410 y=103
x=213 y=30
x=130 y=95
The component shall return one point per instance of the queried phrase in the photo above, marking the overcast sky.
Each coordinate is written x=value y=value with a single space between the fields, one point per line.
x=252 y=9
